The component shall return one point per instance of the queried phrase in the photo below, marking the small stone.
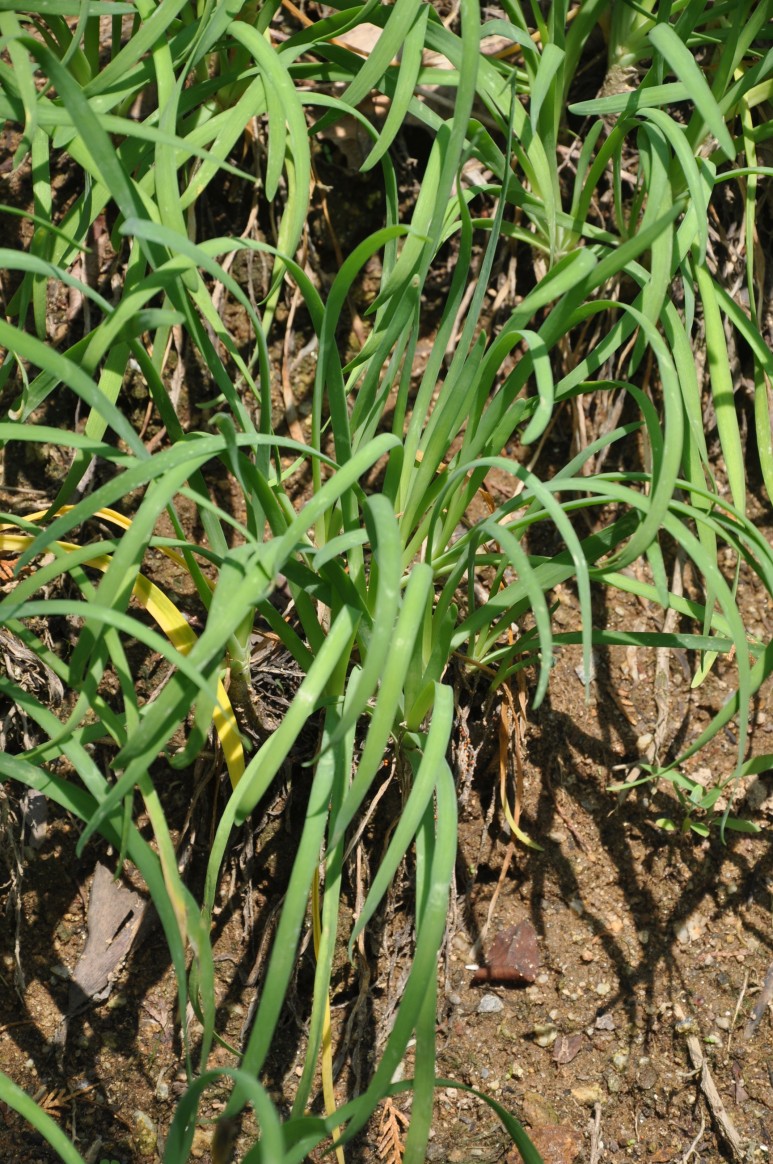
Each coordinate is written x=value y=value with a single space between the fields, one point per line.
x=602 y=988
x=490 y=1004
x=614 y=1082
x=643 y=936
x=34 y=808
x=545 y=1034
x=557 y=1144
x=723 y=1022
x=620 y=1060
x=567 y=1047
x=144 y=1135
x=605 y=1022
x=588 y=1096
x=460 y=946
x=538 y=1111
x=202 y=1140
x=758 y=796
x=691 y=930
x=576 y=906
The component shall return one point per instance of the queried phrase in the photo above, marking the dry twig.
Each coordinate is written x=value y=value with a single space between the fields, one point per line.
x=288 y=396
x=760 y=1006
x=696 y=1141
x=596 y=1144
x=725 y=1126
x=737 y=1008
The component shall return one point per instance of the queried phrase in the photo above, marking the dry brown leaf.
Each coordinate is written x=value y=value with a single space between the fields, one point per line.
x=390 y=1133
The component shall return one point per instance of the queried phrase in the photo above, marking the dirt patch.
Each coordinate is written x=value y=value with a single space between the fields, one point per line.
x=646 y=939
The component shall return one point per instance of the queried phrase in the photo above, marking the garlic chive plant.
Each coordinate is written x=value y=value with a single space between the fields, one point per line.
x=606 y=204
